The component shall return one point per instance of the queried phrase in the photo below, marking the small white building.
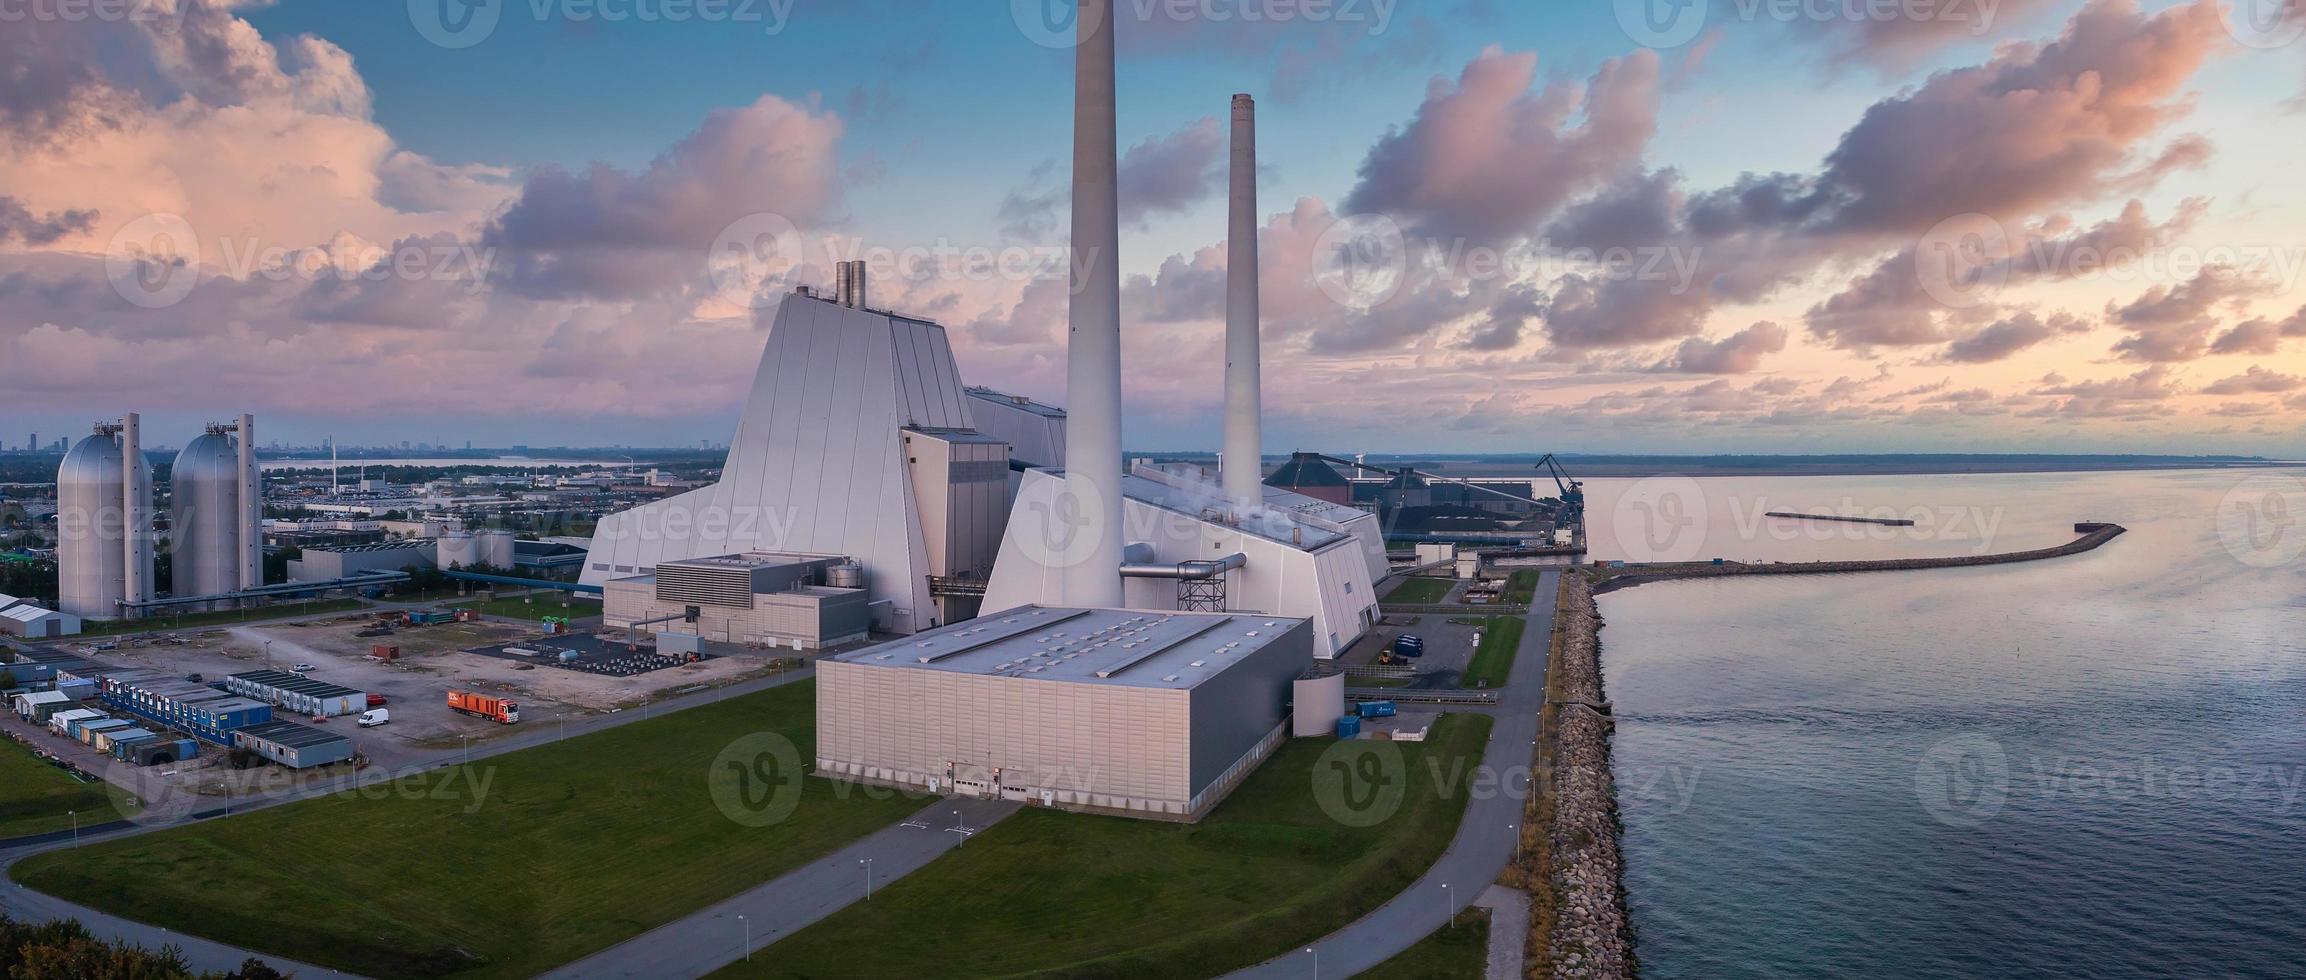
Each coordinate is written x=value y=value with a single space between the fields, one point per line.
x=35 y=623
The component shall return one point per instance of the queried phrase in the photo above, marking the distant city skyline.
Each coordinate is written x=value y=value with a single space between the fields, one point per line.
x=2065 y=226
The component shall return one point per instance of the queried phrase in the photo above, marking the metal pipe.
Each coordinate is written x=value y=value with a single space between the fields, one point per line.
x=1244 y=459
x=286 y=588
x=135 y=512
x=1092 y=554
x=251 y=516
x=1188 y=570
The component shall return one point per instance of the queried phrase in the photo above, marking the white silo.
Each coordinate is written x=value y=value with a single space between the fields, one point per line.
x=496 y=549
x=206 y=513
x=459 y=549
x=103 y=494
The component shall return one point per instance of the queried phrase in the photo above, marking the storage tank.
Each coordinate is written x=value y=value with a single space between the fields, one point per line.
x=496 y=549
x=94 y=544
x=459 y=549
x=206 y=513
x=846 y=575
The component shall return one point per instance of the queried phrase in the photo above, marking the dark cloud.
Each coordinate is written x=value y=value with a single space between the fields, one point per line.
x=2006 y=337
x=1502 y=328
x=1160 y=175
x=2174 y=323
x=1487 y=160
x=2256 y=381
x=2260 y=336
x=1738 y=353
x=19 y=224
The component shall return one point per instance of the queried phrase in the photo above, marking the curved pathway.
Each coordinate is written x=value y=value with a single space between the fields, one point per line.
x=1486 y=837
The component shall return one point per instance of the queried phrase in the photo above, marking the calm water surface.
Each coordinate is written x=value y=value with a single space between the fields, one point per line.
x=2090 y=767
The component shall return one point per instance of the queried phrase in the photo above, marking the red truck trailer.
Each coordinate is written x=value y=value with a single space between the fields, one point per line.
x=500 y=710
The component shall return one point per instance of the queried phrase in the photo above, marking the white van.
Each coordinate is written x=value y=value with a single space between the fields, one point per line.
x=374 y=717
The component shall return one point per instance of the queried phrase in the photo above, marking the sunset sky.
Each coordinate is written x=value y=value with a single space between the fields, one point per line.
x=1857 y=225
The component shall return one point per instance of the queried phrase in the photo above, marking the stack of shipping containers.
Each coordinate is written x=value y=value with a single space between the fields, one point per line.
x=298 y=694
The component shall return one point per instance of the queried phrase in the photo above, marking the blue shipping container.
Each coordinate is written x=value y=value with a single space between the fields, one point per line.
x=1349 y=726
x=1377 y=709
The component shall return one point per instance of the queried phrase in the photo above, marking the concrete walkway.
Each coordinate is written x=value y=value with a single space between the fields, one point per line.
x=1485 y=840
x=1508 y=931
x=714 y=938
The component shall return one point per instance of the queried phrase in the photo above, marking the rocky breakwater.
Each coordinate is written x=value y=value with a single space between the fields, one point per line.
x=1592 y=935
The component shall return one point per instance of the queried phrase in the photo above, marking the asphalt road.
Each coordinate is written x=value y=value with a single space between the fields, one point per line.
x=714 y=937
x=1485 y=838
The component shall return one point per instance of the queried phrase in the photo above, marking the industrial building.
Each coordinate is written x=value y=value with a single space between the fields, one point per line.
x=293 y=745
x=104 y=523
x=858 y=439
x=1035 y=432
x=334 y=564
x=216 y=507
x=174 y=703
x=27 y=621
x=297 y=693
x=806 y=602
x=1148 y=714
x=1308 y=474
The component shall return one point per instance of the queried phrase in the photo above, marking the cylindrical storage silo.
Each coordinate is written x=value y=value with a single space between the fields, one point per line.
x=459 y=549
x=91 y=529
x=205 y=513
x=496 y=549
x=846 y=575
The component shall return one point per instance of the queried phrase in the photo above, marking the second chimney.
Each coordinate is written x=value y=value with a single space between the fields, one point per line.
x=849 y=284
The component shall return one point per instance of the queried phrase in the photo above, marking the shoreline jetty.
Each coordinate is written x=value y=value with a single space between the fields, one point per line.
x=1591 y=933
x=1883 y=521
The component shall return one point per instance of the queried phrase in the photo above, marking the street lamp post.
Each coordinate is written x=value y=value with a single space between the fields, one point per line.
x=466 y=741
x=75 y=827
x=1316 y=962
x=868 y=864
x=748 y=927
x=1448 y=905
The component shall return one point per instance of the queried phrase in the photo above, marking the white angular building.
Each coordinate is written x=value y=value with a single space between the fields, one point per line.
x=858 y=440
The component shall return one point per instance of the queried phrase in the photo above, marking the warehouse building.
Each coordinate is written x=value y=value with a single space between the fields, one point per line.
x=293 y=745
x=297 y=693
x=1138 y=713
x=333 y=564
x=806 y=602
x=31 y=622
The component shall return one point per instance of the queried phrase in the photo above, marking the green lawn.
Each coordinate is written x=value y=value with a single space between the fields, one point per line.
x=1521 y=587
x=1419 y=591
x=1457 y=951
x=574 y=846
x=164 y=621
x=1493 y=660
x=1054 y=894
x=546 y=604
x=36 y=797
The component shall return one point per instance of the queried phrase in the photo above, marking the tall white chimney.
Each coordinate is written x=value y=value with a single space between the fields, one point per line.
x=1244 y=467
x=1093 y=351
x=251 y=515
x=136 y=515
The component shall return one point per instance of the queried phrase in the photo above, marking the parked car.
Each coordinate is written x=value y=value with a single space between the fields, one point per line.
x=196 y=678
x=377 y=701
x=302 y=669
x=374 y=717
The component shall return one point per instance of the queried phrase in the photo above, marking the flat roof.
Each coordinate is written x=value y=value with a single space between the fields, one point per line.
x=1196 y=500
x=364 y=549
x=290 y=734
x=1016 y=401
x=749 y=560
x=1119 y=647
